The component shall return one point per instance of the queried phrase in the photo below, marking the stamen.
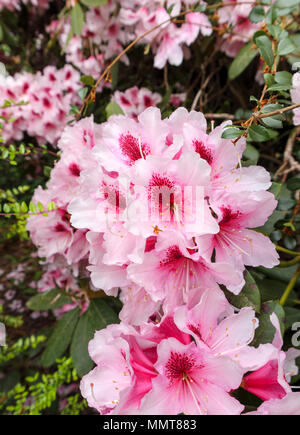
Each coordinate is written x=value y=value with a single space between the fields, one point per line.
x=140 y=147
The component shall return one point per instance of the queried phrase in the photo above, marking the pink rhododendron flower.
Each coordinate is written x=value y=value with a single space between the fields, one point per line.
x=159 y=371
x=134 y=100
x=160 y=212
x=241 y=29
x=110 y=28
x=16 y=4
x=289 y=405
x=47 y=96
x=150 y=186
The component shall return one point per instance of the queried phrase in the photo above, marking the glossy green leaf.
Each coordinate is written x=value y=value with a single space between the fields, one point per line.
x=257 y=14
x=60 y=338
x=265 y=48
x=93 y=3
x=47 y=300
x=97 y=317
x=77 y=19
x=232 y=133
x=113 y=109
x=266 y=331
x=242 y=60
x=248 y=297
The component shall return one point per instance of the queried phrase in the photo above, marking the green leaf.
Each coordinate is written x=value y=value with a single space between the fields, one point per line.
x=283 y=274
x=286 y=46
x=269 y=79
x=293 y=183
x=5 y=154
x=113 y=109
x=170 y=9
x=276 y=189
x=200 y=8
x=97 y=317
x=24 y=208
x=60 y=338
x=273 y=289
x=47 y=171
x=257 y=14
x=286 y=3
x=251 y=154
x=258 y=133
x=87 y=80
x=32 y=207
x=280 y=87
x=283 y=77
x=114 y=73
x=83 y=92
x=248 y=297
x=271 y=15
x=274 y=121
x=47 y=300
x=77 y=19
x=265 y=48
x=290 y=242
x=292 y=315
x=93 y=3
x=232 y=133
x=22 y=149
x=266 y=331
x=242 y=60
x=6 y=208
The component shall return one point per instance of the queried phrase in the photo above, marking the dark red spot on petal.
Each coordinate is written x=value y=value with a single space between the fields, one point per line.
x=203 y=151
x=74 y=169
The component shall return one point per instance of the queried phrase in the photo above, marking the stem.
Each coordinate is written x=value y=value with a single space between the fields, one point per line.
x=219 y=116
x=276 y=112
x=290 y=287
x=290 y=262
x=286 y=251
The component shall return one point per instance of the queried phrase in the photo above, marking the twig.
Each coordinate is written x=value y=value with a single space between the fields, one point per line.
x=290 y=262
x=219 y=116
x=290 y=287
x=198 y=95
x=286 y=251
x=276 y=112
x=288 y=157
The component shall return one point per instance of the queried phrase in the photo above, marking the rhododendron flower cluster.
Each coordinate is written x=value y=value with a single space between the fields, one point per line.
x=102 y=37
x=238 y=29
x=109 y=28
x=16 y=4
x=169 y=41
x=134 y=100
x=162 y=213
x=188 y=363
x=40 y=103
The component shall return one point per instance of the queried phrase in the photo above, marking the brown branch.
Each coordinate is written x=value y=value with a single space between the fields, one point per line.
x=219 y=116
x=288 y=159
x=276 y=112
